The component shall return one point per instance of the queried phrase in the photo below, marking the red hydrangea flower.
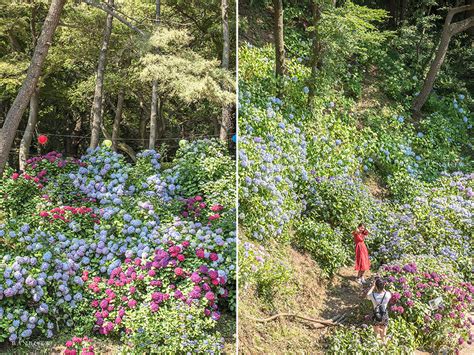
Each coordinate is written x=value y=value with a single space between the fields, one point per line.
x=216 y=208
x=214 y=217
x=210 y=296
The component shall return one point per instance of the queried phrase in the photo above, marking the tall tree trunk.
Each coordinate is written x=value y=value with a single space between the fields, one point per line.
x=96 y=119
x=449 y=30
x=403 y=9
x=278 y=37
x=13 y=118
x=161 y=119
x=34 y=105
x=154 y=91
x=30 y=129
x=316 y=49
x=117 y=119
x=393 y=10
x=226 y=119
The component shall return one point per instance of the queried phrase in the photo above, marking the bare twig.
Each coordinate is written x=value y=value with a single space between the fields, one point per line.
x=111 y=11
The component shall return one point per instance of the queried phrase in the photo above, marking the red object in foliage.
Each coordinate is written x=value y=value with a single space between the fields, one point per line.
x=42 y=139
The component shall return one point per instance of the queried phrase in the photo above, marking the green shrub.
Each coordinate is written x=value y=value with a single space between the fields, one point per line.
x=18 y=196
x=199 y=164
x=325 y=245
x=155 y=332
x=341 y=201
x=362 y=340
x=263 y=271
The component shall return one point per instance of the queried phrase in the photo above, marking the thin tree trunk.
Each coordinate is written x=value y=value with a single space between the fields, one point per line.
x=470 y=13
x=29 y=130
x=117 y=119
x=403 y=9
x=226 y=119
x=449 y=30
x=316 y=49
x=161 y=119
x=226 y=124
x=109 y=10
x=278 y=37
x=158 y=12
x=153 y=115
x=13 y=118
x=143 y=130
x=143 y=121
x=154 y=91
x=76 y=140
x=96 y=118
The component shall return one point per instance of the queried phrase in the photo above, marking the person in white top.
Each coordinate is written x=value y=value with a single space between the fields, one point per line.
x=380 y=298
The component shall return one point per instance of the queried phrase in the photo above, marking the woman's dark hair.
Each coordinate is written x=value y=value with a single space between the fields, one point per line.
x=379 y=284
x=360 y=224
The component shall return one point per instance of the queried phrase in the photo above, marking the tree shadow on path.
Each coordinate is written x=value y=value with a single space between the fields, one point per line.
x=344 y=296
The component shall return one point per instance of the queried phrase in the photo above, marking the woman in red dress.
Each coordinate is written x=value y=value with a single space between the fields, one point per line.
x=362 y=262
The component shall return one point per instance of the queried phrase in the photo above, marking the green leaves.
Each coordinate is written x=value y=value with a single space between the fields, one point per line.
x=183 y=73
x=325 y=245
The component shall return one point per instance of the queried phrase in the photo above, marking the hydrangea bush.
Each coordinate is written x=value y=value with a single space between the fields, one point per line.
x=438 y=222
x=272 y=166
x=437 y=304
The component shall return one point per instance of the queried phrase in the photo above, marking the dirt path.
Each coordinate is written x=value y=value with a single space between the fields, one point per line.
x=344 y=295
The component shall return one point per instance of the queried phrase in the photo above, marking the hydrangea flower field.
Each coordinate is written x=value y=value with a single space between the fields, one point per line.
x=100 y=247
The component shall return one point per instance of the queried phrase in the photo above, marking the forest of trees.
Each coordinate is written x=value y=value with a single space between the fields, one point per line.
x=430 y=19
x=142 y=73
x=402 y=13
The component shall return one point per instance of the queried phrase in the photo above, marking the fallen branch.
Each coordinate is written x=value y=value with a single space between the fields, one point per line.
x=324 y=322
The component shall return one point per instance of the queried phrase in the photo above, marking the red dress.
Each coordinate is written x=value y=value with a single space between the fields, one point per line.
x=362 y=262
